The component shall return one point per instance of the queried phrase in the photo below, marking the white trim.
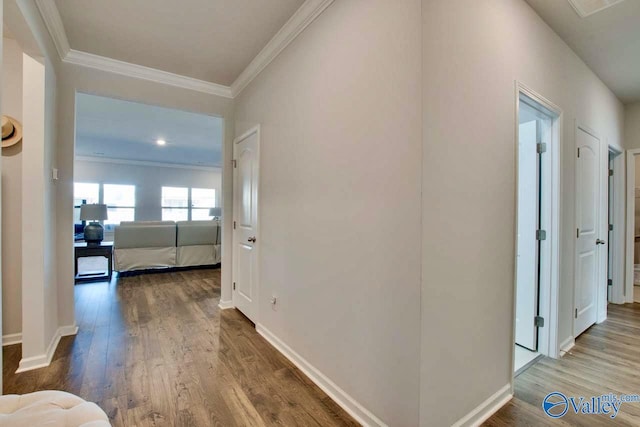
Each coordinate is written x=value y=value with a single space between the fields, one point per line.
x=11 y=339
x=146 y=73
x=617 y=241
x=300 y=20
x=225 y=305
x=487 y=408
x=630 y=225
x=112 y=160
x=43 y=360
x=53 y=21
x=567 y=345
x=348 y=403
x=550 y=258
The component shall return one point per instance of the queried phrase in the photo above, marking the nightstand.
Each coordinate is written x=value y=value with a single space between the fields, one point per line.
x=104 y=249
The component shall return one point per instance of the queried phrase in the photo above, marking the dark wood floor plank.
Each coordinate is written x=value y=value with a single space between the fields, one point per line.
x=155 y=350
x=605 y=359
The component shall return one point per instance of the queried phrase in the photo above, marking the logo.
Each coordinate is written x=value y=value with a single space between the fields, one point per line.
x=555 y=404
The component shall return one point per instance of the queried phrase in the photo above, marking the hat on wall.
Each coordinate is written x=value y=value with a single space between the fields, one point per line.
x=11 y=131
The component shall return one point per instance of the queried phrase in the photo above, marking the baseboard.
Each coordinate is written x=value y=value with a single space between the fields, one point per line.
x=11 y=339
x=43 y=360
x=349 y=404
x=486 y=408
x=567 y=345
x=224 y=305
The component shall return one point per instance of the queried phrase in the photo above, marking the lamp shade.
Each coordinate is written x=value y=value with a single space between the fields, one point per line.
x=215 y=212
x=93 y=212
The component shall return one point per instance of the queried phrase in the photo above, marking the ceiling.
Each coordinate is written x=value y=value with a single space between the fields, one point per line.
x=116 y=129
x=607 y=41
x=210 y=40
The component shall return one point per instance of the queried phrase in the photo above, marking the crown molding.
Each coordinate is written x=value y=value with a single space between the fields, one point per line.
x=300 y=20
x=116 y=161
x=141 y=72
x=53 y=22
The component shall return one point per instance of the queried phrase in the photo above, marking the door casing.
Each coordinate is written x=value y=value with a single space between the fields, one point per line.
x=550 y=268
x=256 y=246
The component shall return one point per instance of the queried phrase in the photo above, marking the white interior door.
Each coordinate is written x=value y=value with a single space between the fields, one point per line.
x=588 y=186
x=527 y=244
x=245 y=213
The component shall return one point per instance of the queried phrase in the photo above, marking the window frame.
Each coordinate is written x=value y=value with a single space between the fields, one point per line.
x=189 y=208
x=101 y=186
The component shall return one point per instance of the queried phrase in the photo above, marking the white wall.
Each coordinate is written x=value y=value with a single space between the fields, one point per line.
x=149 y=181
x=40 y=317
x=340 y=200
x=74 y=78
x=12 y=194
x=472 y=55
x=632 y=126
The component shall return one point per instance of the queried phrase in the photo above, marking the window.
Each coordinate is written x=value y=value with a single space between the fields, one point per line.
x=202 y=199
x=120 y=200
x=84 y=192
x=186 y=204
x=175 y=204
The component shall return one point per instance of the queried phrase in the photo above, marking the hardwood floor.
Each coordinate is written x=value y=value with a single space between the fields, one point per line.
x=605 y=359
x=155 y=350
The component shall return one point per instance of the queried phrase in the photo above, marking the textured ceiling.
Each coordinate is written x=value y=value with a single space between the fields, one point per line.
x=127 y=130
x=607 y=41
x=211 y=40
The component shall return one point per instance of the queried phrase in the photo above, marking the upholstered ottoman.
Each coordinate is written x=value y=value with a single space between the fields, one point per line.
x=51 y=409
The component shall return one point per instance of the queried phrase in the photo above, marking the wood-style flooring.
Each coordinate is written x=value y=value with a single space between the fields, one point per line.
x=605 y=359
x=155 y=350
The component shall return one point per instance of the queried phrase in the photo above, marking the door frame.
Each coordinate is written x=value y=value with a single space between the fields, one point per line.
x=549 y=291
x=630 y=233
x=603 y=168
x=253 y=130
x=618 y=241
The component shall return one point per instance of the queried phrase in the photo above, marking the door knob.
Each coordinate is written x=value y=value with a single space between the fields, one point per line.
x=600 y=242
x=252 y=239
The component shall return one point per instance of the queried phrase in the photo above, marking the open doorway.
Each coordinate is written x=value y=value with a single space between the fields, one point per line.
x=632 y=288
x=148 y=184
x=536 y=234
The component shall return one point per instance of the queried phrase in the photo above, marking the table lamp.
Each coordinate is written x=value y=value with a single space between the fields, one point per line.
x=216 y=213
x=93 y=231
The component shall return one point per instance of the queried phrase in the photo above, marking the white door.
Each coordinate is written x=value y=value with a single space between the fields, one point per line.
x=588 y=234
x=527 y=261
x=245 y=214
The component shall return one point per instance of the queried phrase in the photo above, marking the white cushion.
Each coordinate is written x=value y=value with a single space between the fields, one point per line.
x=50 y=408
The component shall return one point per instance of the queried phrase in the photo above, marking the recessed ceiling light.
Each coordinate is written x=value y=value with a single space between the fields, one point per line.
x=585 y=8
x=161 y=141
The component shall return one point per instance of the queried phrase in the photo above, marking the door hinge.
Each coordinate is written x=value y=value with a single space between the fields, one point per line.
x=576 y=315
x=538 y=321
x=578 y=233
x=578 y=151
x=541 y=235
x=234 y=286
x=541 y=147
x=234 y=225
x=609 y=282
x=235 y=164
x=610 y=227
x=610 y=172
